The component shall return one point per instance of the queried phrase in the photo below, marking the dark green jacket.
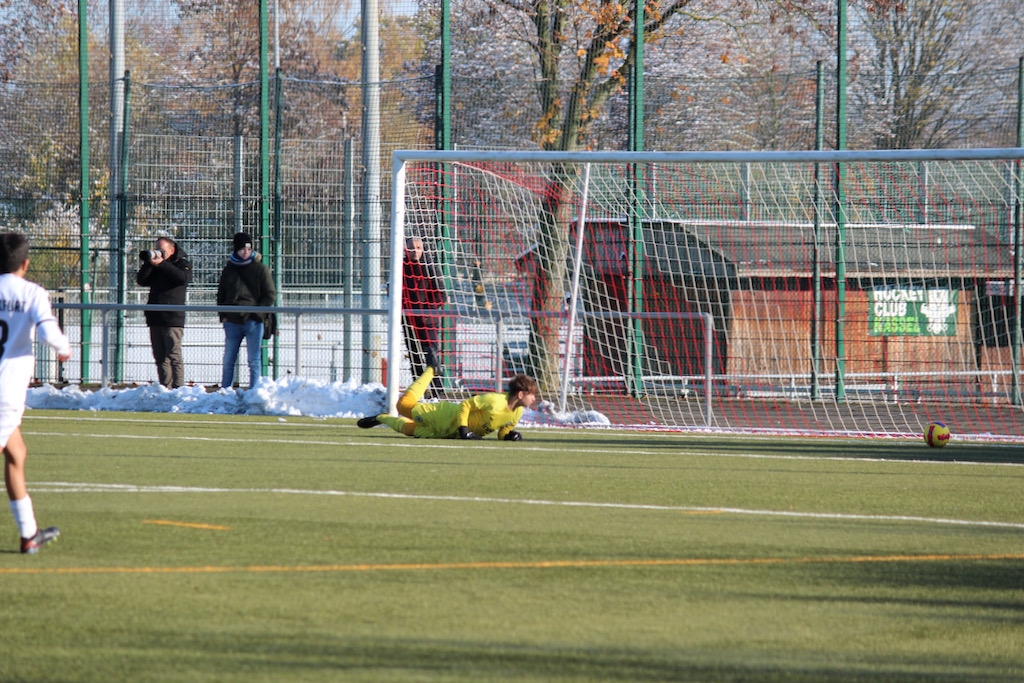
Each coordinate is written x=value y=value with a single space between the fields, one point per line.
x=248 y=284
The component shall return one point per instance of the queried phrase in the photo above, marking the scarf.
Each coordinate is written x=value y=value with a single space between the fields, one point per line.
x=242 y=262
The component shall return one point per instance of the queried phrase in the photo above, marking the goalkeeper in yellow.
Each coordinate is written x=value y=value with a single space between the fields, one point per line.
x=474 y=418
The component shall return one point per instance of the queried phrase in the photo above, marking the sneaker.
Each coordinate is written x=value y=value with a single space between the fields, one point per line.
x=32 y=545
x=367 y=422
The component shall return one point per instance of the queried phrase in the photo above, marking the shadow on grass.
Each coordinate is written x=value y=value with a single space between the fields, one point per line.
x=369 y=658
x=966 y=591
x=888 y=449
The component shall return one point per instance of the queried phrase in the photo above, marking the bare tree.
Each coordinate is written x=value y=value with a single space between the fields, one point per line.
x=923 y=76
x=581 y=53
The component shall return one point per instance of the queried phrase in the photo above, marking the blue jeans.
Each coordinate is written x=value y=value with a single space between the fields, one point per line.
x=252 y=331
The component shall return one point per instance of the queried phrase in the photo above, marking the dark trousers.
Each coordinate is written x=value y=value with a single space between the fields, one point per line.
x=423 y=340
x=166 y=343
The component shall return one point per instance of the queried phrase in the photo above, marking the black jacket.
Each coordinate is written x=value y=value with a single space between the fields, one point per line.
x=167 y=283
x=250 y=284
x=421 y=287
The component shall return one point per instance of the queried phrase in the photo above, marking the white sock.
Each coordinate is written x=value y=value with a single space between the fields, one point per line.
x=24 y=517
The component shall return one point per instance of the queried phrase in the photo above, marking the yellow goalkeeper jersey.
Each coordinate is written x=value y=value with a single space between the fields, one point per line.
x=483 y=414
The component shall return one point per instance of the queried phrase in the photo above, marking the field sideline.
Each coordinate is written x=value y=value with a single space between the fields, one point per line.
x=228 y=548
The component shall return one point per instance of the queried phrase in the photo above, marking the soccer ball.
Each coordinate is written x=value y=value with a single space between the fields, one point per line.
x=936 y=434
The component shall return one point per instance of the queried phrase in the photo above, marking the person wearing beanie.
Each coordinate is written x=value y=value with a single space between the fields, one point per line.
x=245 y=281
x=167 y=271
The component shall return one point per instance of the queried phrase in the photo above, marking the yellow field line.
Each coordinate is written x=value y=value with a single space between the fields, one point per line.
x=544 y=564
x=189 y=525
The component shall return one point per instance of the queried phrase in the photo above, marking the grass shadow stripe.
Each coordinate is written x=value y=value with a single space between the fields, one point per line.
x=539 y=564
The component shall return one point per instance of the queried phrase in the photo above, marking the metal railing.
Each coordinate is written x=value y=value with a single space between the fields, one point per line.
x=298 y=312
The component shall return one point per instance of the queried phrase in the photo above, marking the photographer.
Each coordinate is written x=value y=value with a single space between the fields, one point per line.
x=167 y=271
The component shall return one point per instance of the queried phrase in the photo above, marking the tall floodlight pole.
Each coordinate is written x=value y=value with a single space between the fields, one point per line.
x=85 y=292
x=840 y=203
x=371 y=183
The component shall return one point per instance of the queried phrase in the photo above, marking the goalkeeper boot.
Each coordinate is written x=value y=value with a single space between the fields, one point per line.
x=32 y=545
x=367 y=422
x=434 y=362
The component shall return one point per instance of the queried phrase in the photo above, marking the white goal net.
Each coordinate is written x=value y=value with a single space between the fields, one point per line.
x=794 y=292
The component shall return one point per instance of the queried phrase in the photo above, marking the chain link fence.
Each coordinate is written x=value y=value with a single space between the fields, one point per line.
x=195 y=158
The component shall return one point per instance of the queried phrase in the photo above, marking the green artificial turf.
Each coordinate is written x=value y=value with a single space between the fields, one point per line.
x=225 y=548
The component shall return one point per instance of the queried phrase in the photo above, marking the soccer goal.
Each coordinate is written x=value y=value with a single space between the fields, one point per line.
x=783 y=292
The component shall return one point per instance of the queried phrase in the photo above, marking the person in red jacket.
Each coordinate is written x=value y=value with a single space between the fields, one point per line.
x=422 y=297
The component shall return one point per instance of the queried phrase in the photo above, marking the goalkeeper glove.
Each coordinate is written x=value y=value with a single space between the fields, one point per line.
x=513 y=436
x=464 y=433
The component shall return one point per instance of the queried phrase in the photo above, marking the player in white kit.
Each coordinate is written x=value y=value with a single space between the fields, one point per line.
x=24 y=308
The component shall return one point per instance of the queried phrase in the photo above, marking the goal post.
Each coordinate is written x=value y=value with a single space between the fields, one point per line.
x=724 y=294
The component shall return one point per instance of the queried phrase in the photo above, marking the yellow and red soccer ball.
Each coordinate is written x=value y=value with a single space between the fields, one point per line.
x=936 y=434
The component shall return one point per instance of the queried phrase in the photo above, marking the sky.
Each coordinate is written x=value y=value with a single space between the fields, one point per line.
x=290 y=396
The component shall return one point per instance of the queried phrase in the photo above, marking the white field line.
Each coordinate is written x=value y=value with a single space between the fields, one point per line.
x=85 y=487
x=686 y=448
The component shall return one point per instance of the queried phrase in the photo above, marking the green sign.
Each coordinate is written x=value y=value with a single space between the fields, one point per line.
x=913 y=312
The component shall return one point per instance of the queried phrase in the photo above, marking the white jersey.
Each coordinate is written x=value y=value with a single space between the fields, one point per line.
x=24 y=308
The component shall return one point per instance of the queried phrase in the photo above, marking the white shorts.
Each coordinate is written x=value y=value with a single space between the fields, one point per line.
x=9 y=421
x=15 y=374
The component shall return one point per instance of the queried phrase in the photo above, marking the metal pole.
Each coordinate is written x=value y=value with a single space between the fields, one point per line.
x=709 y=361
x=372 y=234
x=278 y=267
x=499 y=356
x=819 y=143
x=104 y=352
x=443 y=141
x=840 y=208
x=265 y=247
x=237 y=180
x=1018 y=245
x=636 y=241
x=923 y=183
x=443 y=117
x=298 y=345
x=85 y=291
x=347 y=262
x=122 y=236
x=116 y=231
x=574 y=292
x=116 y=72
x=395 y=300
x=745 y=190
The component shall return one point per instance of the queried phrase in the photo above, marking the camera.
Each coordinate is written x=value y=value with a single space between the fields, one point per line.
x=150 y=254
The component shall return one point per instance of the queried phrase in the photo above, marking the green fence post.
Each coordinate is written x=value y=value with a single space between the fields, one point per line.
x=840 y=208
x=1018 y=243
x=443 y=141
x=819 y=144
x=636 y=241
